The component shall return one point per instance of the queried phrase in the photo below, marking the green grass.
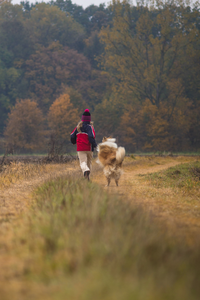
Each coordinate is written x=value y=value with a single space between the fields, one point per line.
x=183 y=176
x=80 y=243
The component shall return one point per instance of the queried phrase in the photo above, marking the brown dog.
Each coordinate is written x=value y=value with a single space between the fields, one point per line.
x=111 y=158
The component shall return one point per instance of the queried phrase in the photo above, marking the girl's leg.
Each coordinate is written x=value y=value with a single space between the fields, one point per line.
x=82 y=155
x=89 y=163
x=89 y=159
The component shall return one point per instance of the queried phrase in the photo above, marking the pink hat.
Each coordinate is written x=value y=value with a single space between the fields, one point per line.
x=86 y=117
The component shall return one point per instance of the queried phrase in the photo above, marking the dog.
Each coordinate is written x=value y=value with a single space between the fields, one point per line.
x=111 y=157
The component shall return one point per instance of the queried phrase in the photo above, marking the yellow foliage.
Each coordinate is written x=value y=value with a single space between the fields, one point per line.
x=149 y=127
x=62 y=117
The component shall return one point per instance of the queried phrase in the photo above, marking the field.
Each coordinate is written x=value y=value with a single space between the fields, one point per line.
x=64 y=238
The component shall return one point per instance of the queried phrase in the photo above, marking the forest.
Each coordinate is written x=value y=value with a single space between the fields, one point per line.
x=136 y=68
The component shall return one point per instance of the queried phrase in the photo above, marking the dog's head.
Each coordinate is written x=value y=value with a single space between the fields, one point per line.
x=108 y=139
x=105 y=139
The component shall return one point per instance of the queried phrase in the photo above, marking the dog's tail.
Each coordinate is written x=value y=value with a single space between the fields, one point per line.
x=120 y=154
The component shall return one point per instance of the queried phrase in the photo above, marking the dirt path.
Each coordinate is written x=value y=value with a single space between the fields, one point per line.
x=181 y=213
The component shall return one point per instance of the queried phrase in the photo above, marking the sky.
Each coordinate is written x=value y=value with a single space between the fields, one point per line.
x=84 y=3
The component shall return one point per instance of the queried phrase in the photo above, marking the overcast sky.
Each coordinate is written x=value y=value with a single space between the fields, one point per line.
x=84 y=3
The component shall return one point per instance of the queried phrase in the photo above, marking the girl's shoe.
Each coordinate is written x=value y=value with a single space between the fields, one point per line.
x=87 y=175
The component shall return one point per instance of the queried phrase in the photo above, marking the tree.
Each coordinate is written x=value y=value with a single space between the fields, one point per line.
x=144 y=127
x=48 y=24
x=144 y=60
x=15 y=48
x=107 y=115
x=93 y=48
x=75 y=11
x=93 y=90
x=76 y=99
x=91 y=18
x=15 y=36
x=62 y=117
x=50 y=69
x=9 y=79
x=25 y=126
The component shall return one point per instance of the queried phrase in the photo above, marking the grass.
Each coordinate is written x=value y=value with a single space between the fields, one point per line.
x=18 y=171
x=184 y=176
x=80 y=243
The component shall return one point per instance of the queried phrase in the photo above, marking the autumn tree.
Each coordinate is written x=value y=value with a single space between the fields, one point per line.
x=76 y=98
x=144 y=127
x=107 y=116
x=133 y=128
x=52 y=68
x=144 y=60
x=48 y=24
x=25 y=126
x=62 y=117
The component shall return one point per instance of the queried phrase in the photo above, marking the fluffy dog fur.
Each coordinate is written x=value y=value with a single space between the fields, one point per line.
x=111 y=158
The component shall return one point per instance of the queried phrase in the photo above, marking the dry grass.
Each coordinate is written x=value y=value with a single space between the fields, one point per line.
x=17 y=171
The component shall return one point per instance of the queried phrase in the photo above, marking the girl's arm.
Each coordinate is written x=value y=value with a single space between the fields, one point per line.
x=91 y=136
x=73 y=136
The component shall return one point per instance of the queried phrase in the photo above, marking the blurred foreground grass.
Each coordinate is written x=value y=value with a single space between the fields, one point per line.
x=79 y=243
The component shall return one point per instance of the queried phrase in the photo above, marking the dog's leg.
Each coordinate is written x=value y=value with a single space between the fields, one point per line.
x=116 y=181
x=108 y=180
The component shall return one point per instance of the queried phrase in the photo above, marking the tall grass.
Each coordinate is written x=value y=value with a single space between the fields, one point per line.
x=79 y=243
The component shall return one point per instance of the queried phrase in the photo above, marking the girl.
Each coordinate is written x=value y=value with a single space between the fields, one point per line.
x=84 y=137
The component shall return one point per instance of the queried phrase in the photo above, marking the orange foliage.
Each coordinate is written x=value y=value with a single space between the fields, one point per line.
x=25 y=127
x=149 y=127
x=62 y=117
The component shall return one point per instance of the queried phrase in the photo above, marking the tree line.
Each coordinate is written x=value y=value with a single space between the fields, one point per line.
x=135 y=67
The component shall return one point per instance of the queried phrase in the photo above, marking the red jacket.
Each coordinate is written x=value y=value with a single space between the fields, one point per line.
x=84 y=140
